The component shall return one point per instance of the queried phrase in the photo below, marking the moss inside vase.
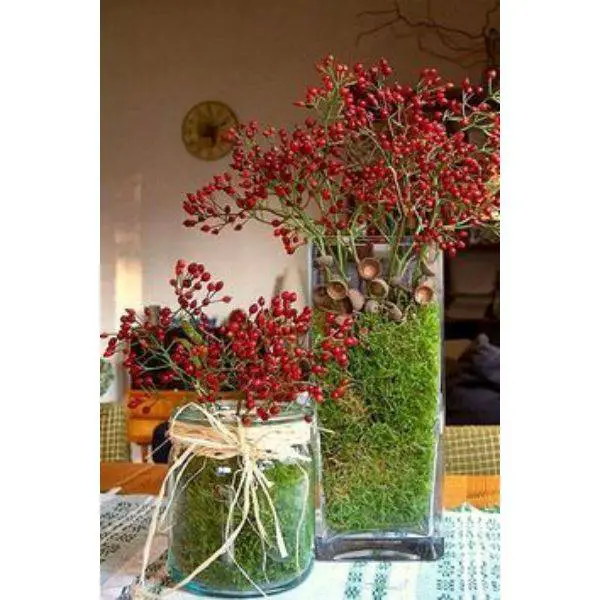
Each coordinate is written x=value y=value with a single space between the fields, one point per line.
x=199 y=527
x=378 y=451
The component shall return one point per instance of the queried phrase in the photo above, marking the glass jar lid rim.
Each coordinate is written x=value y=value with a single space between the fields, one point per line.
x=225 y=411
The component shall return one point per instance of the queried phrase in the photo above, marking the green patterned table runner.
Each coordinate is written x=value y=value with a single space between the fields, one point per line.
x=469 y=569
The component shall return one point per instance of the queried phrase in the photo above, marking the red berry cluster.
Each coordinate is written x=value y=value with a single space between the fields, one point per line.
x=374 y=157
x=262 y=354
x=191 y=279
x=271 y=362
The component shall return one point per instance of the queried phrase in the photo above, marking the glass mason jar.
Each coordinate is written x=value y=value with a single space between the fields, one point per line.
x=207 y=505
x=381 y=471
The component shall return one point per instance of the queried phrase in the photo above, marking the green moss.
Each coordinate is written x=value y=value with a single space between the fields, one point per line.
x=378 y=461
x=200 y=514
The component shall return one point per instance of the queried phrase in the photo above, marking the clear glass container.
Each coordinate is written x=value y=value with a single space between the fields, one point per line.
x=200 y=509
x=380 y=472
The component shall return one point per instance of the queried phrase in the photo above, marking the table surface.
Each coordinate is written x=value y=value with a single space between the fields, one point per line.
x=470 y=565
x=481 y=491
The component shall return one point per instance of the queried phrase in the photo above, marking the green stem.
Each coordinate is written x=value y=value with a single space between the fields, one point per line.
x=340 y=248
x=396 y=241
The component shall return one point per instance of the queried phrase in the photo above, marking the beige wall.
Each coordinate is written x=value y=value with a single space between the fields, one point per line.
x=159 y=58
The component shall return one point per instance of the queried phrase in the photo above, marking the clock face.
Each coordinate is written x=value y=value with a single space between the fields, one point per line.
x=203 y=128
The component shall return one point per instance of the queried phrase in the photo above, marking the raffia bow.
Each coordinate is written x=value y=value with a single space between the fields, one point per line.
x=218 y=440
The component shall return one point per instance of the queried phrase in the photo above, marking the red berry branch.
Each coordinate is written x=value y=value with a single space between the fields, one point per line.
x=261 y=353
x=375 y=158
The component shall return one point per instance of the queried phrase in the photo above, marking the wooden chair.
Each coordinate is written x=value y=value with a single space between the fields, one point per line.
x=155 y=408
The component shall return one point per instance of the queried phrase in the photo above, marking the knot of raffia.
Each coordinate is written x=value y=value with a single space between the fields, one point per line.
x=225 y=437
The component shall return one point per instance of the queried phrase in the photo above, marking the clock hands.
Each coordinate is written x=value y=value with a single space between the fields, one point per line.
x=206 y=124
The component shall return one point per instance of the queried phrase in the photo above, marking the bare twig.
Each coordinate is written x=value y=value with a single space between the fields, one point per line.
x=466 y=48
x=376 y=29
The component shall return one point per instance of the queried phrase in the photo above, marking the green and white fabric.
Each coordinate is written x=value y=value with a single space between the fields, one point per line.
x=472 y=450
x=114 y=445
x=469 y=569
x=107 y=376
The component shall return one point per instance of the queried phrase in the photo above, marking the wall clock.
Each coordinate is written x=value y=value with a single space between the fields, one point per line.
x=203 y=128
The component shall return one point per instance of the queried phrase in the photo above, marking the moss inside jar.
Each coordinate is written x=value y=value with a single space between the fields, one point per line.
x=205 y=496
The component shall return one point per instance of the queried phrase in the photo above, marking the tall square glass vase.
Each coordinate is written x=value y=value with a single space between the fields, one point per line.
x=380 y=467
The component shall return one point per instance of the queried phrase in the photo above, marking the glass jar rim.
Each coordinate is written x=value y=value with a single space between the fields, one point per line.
x=224 y=410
